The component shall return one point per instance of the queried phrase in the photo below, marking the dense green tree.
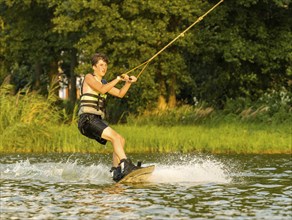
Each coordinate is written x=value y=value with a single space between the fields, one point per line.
x=130 y=32
x=156 y=24
x=241 y=49
x=29 y=47
x=245 y=50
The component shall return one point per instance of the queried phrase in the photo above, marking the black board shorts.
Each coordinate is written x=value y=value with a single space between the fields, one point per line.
x=92 y=126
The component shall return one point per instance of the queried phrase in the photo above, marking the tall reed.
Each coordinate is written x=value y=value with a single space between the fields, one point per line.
x=25 y=118
x=30 y=122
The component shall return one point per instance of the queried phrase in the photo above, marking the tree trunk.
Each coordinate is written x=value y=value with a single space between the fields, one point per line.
x=172 y=92
x=72 y=88
x=53 y=77
x=37 y=76
x=161 y=103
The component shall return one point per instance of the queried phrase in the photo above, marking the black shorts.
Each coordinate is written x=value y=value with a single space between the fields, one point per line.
x=92 y=126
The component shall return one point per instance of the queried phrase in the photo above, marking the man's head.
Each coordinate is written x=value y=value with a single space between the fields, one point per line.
x=97 y=57
x=99 y=64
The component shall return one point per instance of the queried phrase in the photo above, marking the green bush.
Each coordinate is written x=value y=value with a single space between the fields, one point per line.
x=273 y=107
x=184 y=115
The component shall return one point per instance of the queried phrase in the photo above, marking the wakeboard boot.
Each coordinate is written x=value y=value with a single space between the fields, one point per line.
x=127 y=166
x=116 y=173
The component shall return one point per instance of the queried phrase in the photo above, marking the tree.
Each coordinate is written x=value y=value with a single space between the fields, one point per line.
x=154 y=24
x=241 y=49
x=29 y=46
x=244 y=51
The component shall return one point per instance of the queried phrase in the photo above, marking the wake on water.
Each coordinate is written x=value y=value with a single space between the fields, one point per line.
x=183 y=170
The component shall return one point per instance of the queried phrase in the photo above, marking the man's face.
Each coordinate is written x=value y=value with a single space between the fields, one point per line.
x=100 y=68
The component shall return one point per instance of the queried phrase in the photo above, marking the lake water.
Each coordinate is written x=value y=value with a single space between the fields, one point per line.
x=79 y=186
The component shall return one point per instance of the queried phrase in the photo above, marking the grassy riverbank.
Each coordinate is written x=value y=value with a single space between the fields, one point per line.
x=31 y=123
x=222 y=138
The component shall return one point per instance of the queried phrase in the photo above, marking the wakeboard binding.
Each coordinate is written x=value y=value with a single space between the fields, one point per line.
x=125 y=167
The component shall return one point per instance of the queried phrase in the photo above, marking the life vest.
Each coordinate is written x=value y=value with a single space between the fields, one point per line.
x=92 y=102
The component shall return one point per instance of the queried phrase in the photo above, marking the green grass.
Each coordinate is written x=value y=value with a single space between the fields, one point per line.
x=32 y=123
x=224 y=138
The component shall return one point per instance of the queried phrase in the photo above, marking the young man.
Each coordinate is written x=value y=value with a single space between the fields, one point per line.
x=92 y=112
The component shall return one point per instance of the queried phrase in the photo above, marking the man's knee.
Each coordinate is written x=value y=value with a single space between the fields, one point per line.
x=118 y=138
x=121 y=139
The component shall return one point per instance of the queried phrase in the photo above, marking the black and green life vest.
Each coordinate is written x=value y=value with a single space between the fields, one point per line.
x=93 y=103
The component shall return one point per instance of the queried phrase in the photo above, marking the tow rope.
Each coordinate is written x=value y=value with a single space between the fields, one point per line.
x=145 y=64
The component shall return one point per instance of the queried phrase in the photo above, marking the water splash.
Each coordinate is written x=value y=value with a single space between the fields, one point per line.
x=192 y=170
x=182 y=169
x=57 y=172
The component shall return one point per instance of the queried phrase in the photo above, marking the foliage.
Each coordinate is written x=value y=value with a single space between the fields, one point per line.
x=271 y=107
x=248 y=49
x=240 y=50
x=184 y=115
x=30 y=123
x=237 y=61
x=29 y=44
x=25 y=117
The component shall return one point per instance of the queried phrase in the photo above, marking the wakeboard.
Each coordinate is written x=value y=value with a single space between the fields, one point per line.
x=137 y=176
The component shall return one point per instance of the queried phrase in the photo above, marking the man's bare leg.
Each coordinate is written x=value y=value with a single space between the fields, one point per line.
x=118 y=143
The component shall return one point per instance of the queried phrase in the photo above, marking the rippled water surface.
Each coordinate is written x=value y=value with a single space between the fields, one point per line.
x=79 y=186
